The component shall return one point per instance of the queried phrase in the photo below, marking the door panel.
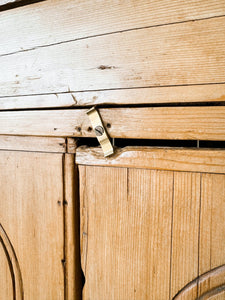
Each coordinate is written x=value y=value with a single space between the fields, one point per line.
x=31 y=213
x=147 y=233
x=6 y=286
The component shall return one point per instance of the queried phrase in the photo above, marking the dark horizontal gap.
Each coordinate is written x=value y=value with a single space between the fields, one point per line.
x=212 y=144
x=107 y=33
x=188 y=104
x=17 y=4
x=121 y=143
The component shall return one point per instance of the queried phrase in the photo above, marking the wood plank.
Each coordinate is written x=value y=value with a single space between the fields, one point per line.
x=31 y=213
x=6 y=282
x=212 y=234
x=72 y=239
x=190 y=53
x=31 y=143
x=186 y=207
x=173 y=94
x=122 y=260
x=188 y=123
x=55 y=21
x=192 y=160
x=216 y=275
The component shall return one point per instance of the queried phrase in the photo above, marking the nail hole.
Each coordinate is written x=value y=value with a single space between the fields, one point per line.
x=89 y=128
x=108 y=125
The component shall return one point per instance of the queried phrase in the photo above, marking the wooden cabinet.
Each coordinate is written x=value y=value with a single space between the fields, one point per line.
x=152 y=224
x=145 y=223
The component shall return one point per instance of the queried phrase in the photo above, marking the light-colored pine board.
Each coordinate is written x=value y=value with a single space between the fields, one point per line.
x=13 y=265
x=72 y=240
x=126 y=232
x=176 y=159
x=32 y=143
x=173 y=94
x=212 y=229
x=6 y=283
x=215 y=276
x=31 y=213
x=55 y=21
x=188 y=123
x=186 y=207
x=178 y=54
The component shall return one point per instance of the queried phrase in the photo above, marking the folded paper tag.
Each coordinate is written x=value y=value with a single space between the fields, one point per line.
x=100 y=131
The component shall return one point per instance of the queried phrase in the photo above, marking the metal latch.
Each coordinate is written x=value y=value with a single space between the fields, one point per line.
x=100 y=131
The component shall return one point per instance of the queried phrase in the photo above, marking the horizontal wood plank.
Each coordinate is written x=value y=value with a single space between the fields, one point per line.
x=161 y=95
x=55 y=21
x=178 y=54
x=186 y=123
x=33 y=143
x=192 y=160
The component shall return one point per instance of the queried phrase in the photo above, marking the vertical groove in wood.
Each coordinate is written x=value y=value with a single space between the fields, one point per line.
x=126 y=232
x=73 y=284
x=185 y=230
x=212 y=234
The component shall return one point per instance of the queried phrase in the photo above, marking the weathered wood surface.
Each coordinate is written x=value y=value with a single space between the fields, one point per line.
x=120 y=247
x=55 y=21
x=31 y=143
x=31 y=213
x=188 y=123
x=192 y=160
x=72 y=244
x=173 y=94
x=178 y=54
x=148 y=234
x=217 y=279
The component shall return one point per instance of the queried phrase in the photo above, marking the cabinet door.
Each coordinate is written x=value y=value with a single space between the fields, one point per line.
x=152 y=223
x=31 y=226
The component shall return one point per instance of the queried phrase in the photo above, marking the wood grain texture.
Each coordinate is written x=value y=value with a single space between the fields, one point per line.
x=31 y=143
x=188 y=123
x=31 y=212
x=173 y=94
x=123 y=256
x=185 y=233
x=194 y=160
x=13 y=265
x=212 y=235
x=72 y=238
x=190 y=53
x=6 y=280
x=55 y=21
x=216 y=275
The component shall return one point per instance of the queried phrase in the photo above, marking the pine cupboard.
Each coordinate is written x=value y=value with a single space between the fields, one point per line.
x=147 y=222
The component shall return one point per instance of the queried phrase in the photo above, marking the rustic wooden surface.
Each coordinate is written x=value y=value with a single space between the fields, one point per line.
x=6 y=279
x=72 y=244
x=175 y=159
x=32 y=143
x=156 y=231
x=117 y=241
x=56 y=21
x=188 y=123
x=217 y=279
x=31 y=213
x=173 y=94
x=177 y=54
